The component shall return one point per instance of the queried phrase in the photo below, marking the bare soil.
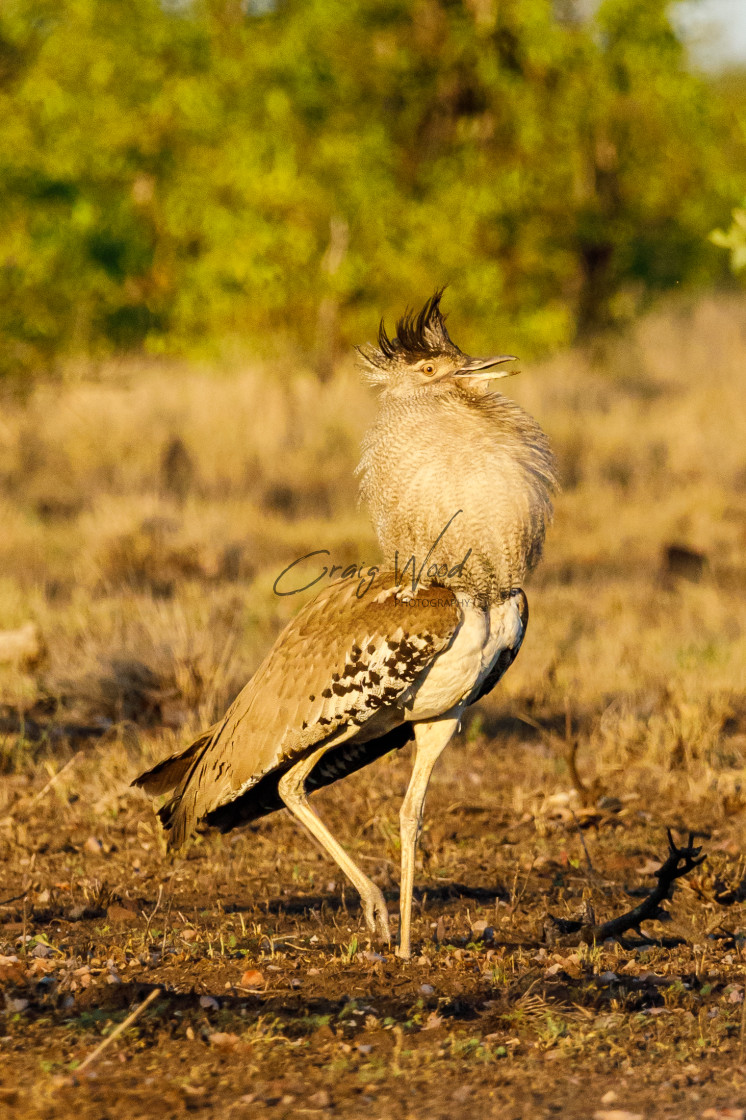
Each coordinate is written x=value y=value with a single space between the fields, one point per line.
x=272 y=999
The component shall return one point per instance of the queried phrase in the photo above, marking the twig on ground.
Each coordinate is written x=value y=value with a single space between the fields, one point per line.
x=567 y=748
x=46 y=788
x=516 y=900
x=728 y=895
x=118 y=1030
x=591 y=868
x=154 y=911
x=15 y=898
x=55 y=778
x=26 y=889
x=572 y=745
x=680 y=862
x=165 y=924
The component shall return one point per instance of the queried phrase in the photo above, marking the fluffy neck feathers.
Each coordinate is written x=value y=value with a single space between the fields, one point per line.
x=437 y=451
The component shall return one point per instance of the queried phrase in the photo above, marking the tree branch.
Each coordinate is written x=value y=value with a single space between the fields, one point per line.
x=680 y=861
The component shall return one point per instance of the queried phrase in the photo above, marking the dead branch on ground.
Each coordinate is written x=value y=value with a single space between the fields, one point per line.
x=680 y=861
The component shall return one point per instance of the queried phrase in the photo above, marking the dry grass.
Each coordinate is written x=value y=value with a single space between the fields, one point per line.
x=145 y=517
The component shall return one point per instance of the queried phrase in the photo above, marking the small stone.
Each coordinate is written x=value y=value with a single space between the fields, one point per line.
x=209 y=1003
x=83 y=976
x=320 y=1099
x=59 y=1081
x=93 y=846
x=617 y=1114
x=188 y=935
x=193 y=1091
x=224 y=1041
x=252 y=978
x=121 y=915
x=427 y=989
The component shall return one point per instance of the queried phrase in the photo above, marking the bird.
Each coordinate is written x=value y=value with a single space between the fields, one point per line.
x=459 y=481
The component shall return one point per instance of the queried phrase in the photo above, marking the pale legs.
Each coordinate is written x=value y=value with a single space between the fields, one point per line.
x=430 y=740
x=292 y=790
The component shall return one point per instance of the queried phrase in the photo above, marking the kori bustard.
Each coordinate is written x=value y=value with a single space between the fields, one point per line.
x=458 y=480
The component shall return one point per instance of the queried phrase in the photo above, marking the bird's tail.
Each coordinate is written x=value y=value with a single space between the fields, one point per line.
x=171 y=771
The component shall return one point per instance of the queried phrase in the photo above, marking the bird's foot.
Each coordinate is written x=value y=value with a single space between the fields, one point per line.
x=403 y=952
x=376 y=915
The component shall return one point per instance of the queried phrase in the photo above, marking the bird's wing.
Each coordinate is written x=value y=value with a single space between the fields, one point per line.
x=342 y=661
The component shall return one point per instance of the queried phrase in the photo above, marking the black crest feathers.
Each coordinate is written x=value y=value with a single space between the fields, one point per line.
x=417 y=335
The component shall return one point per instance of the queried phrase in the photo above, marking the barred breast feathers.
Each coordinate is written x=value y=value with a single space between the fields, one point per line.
x=433 y=453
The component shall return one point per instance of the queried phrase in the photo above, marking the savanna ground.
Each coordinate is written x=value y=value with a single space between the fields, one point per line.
x=145 y=517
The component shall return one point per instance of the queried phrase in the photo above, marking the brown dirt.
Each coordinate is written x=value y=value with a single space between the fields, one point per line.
x=487 y=1018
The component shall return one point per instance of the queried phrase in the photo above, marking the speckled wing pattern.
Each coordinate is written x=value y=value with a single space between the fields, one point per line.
x=341 y=668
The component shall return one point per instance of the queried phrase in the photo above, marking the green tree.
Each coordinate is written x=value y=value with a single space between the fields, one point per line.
x=176 y=174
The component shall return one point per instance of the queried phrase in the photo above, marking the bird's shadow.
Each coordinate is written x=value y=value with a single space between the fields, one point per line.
x=350 y=903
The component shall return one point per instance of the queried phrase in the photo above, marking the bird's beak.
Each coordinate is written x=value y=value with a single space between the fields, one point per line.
x=481 y=365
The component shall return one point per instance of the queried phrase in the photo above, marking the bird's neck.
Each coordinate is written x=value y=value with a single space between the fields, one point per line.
x=459 y=488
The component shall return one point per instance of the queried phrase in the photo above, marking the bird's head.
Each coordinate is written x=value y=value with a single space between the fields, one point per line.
x=422 y=354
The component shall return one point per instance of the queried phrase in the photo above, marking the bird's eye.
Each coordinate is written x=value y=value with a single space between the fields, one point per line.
x=429 y=368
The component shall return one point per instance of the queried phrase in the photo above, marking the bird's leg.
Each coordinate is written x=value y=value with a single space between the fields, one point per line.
x=292 y=790
x=430 y=740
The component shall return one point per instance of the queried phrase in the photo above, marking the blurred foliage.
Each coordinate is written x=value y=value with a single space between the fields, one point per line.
x=733 y=239
x=177 y=173
x=731 y=90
